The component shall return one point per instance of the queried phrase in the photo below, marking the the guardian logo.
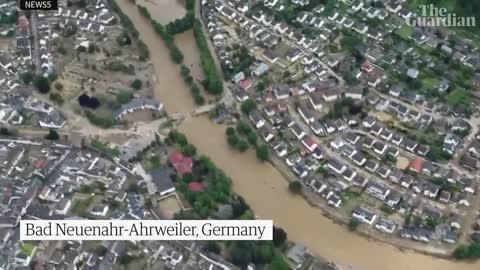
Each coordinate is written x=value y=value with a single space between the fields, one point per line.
x=38 y=4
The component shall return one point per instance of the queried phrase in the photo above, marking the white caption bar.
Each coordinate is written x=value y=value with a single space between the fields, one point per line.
x=146 y=230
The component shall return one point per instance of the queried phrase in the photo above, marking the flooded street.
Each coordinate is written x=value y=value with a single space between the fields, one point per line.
x=262 y=185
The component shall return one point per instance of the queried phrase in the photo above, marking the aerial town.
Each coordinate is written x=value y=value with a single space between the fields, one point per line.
x=353 y=124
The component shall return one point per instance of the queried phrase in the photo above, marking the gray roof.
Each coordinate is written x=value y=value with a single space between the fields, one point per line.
x=162 y=180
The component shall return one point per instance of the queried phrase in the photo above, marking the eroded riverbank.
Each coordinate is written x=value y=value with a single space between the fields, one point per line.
x=263 y=186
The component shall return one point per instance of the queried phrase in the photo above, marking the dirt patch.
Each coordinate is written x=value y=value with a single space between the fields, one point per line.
x=402 y=162
x=169 y=206
x=139 y=116
x=384 y=117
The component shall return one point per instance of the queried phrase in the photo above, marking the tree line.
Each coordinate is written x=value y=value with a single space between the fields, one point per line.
x=217 y=191
x=213 y=80
x=175 y=54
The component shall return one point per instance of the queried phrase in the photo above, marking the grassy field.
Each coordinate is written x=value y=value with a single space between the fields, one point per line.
x=404 y=32
x=105 y=148
x=28 y=248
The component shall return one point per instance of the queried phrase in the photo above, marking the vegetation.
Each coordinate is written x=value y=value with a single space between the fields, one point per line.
x=101 y=121
x=345 y=106
x=80 y=207
x=101 y=251
x=459 y=98
x=188 y=79
x=117 y=66
x=90 y=102
x=213 y=80
x=295 y=187
x=104 y=148
x=279 y=236
x=125 y=21
x=27 y=248
x=387 y=209
x=181 y=25
x=136 y=84
x=218 y=192
x=350 y=41
x=8 y=19
x=42 y=84
x=7 y=132
x=52 y=135
x=248 y=106
x=263 y=153
x=124 y=96
x=175 y=54
x=243 y=61
x=236 y=142
x=57 y=98
x=471 y=251
x=190 y=4
x=353 y=224
x=27 y=77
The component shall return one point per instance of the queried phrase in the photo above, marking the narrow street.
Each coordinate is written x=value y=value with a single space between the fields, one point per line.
x=36 y=41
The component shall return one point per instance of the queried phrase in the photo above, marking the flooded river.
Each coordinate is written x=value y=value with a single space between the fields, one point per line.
x=262 y=185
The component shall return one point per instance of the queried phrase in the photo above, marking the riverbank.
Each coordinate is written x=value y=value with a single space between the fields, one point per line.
x=262 y=185
x=339 y=218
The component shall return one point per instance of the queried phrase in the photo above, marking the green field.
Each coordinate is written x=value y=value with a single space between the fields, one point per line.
x=28 y=248
x=404 y=32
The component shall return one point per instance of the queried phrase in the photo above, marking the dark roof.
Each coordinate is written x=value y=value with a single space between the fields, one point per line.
x=161 y=179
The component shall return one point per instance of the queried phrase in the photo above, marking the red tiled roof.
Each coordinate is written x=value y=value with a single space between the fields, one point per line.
x=309 y=141
x=245 y=84
x=40 y=163
x=181 y=163
x=367 y=66
x=416 y=165
x=195 y=187
x=23 y=22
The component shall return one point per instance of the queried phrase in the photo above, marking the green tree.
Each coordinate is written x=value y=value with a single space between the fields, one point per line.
x=242 y=146
x=27 y=77
x=125 y=259
x=241 y=255
x=233 y=140
x=42 y=84
x=136 y=84
x=189 y=150
x=263 y=153
x=248 y=106
x=461 y=252
x=213 y=246
x=278 y=263
x=52 y=76
x=252 y=138
x=279 y=236
x=101 y=251
x=353 y=224
x=148 y=203
x=230 y=131
x=4 y=131
x=295 y=187
x=124 y=96
x=52 y=135
x=243 y=128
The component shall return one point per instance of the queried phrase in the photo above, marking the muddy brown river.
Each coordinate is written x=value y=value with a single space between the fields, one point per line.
x=262 y=185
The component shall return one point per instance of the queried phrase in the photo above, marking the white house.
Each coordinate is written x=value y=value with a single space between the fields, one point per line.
x=364 y=215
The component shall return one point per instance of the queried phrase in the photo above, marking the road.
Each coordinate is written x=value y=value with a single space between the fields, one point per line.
x=36 y=41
